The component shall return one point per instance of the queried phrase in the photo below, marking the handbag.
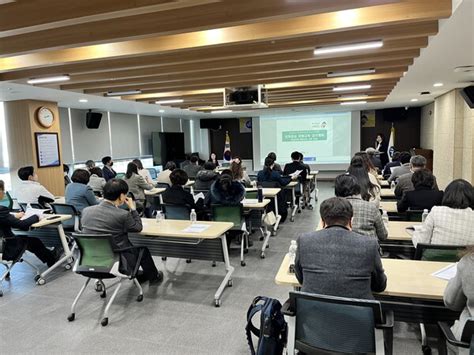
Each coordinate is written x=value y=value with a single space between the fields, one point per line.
x=269 y=219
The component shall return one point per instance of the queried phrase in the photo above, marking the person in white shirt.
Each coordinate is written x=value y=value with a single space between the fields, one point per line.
x=164 y=176
x=30 y=190
x=145 y=173
x=451 y=223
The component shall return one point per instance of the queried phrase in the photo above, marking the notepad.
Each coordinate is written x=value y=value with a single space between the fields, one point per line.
x=34 y=212
x=446 y=273
x=198 y=196
x=196 y=228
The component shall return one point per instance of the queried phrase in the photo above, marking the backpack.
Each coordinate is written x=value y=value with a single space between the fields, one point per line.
x=273 y=328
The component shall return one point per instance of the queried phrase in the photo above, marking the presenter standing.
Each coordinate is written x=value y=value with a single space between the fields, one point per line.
x=381 y=145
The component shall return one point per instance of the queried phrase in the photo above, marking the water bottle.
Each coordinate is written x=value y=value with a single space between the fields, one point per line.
x=193 y=216
x=159 y=216
x=292 y=255
x=424 y=215
x=260 y=194
x=385 y=219
x=392 y=185
x=254 y=184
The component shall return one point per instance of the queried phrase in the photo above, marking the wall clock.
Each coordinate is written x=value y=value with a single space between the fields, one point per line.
x=45 y=117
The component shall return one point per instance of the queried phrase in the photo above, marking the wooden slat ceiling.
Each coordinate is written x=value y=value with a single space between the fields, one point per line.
x=194 y=49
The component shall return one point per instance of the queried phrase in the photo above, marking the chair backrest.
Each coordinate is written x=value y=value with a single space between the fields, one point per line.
x=120 y=175
x=270 y=184
x=153 y=173
x=468 y=331
x=98 y=193
x=414 y=215
x=7 y=201
x=96 y=253
x=433 y=252
x=222 y=213
x=69 y=224
x=180 y=212
x=251 y=194
x=23 y=206
x=335 y=324
x=162 y=185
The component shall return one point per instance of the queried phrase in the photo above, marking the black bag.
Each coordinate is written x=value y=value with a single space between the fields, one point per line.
x=273 y=328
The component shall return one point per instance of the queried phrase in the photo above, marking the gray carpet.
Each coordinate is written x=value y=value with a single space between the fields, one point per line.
x=177 y=317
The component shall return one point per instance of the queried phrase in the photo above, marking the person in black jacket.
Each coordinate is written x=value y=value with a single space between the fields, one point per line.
x=381 y=145
x=177 y=195
x=206 y=177
x=15 y=245
x=296 y=165
x=424 y=196
x=387 y=171
x=226 y=191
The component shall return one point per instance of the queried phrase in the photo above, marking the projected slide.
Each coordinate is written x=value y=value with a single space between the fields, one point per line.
x=322 y=138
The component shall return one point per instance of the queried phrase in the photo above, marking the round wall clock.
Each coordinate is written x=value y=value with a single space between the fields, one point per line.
x=45 y=117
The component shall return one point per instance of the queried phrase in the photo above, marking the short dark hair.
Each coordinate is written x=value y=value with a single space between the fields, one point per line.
x=405 y=157
x=170 y=165
x=418 y=161
x=25 y=172
x=114 y=188
x=90 y=164
x=459 y=194
x=80 y=176
x=336 y=211
x=194 y=159
x=106 y=160
x=97 y=171
x=295 y=155
x=396 y=156
x=346 y=185
x=423 y=178
x=209 y=165
x=272 y=155
x=179 y=177
x=65 y=168
x=2 y=185
x=138 y=163
x=381 y=135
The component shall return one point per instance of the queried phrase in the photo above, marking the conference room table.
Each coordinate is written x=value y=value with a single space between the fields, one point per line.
x=412 y=292
x=384 y=184
x=387 y=194
x=389 y=206
x=200 y=240
x=270 y=192
x=42 y=230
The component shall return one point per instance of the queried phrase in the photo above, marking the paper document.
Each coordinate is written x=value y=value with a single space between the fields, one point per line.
x=198 y=196
x=34 y=212
x=250 y=201
x=296 y=173
x=196 y=228
x=446 y=273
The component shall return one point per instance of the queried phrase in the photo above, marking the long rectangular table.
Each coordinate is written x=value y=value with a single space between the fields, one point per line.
x=387 y=194
x=412 y=293
x=167 y=239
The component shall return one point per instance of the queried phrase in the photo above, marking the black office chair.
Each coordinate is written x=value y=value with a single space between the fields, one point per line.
x=7 y=201
x=162 y=185
x=69 y=225
x=414 y=215
x=467 y=337
x=327 y=325
x=23 y=206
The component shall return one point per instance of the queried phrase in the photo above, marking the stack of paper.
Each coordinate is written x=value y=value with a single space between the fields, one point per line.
x=446 y=273
x=34 y=212
x=196 y=228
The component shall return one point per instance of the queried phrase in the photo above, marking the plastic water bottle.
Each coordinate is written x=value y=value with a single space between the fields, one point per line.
x=193 y=216
x=292 y=255
x=385 y=219
x=424 y=215
x=254 y=183
x=159 y=216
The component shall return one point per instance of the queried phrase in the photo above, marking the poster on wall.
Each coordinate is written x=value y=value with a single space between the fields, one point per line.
x=47 y=150
x=245 y=125
x=367 y=118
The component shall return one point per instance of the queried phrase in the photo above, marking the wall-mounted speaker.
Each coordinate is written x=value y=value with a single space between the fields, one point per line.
x=93 y=119
x=210 y=123
x=468 y=94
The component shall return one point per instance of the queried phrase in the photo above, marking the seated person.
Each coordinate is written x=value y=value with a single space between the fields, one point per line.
x=424 y=196
x=164 y=176
x=296 y=165
x=276 y=166
x=206 y=177
x=402 y=169
x=14 y=245
x=213 y=159
x=404 y=182
x=193 y=168
x=177 y=195
x=369 y=188
x=459 y=294
x=107 y=170
x=226 y=191
x=96 y=180
x=136 y=183
x=367 y=219
x=107 y=218
x=374 y=158
x=90 y=164
x=387 y=170
x=238 y=172
x=451 y=223
x=187 y=161
x=145 y=173
x=336 y=261
x=78 y=193
x=67 y=179
x=30 y=190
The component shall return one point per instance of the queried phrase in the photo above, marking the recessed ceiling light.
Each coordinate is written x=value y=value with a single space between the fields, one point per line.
x=351 y=87
x=437 y=85
x=123 y=93
x=348 y=47
x=174 y=101
x=50 y=79
x=221 y=111
x=161 y=111
x=349 y=73
x=414 y=100
x=353 y=103
x=83 y=100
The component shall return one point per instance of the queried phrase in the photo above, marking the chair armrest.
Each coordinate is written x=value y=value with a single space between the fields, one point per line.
x=389 y=320
x=285 y=309
x=449 y=336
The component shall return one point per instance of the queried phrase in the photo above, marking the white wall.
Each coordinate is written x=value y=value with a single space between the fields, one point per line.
x=427 y=126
